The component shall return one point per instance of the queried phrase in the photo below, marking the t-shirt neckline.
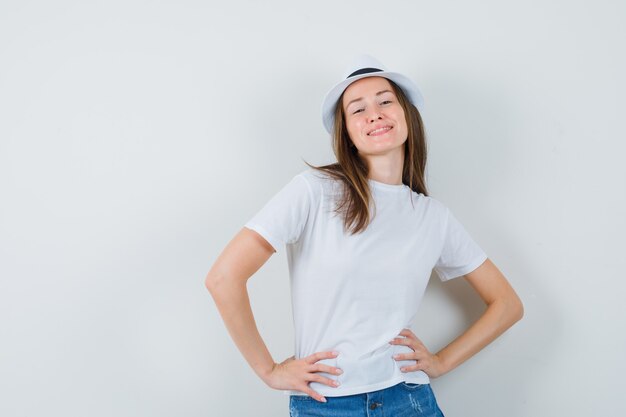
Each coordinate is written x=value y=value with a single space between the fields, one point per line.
x=384 y=186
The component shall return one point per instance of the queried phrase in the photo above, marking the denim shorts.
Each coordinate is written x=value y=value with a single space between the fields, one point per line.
x=401 y=400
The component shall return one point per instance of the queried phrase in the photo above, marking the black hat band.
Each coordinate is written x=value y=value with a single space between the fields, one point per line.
x=363 y=71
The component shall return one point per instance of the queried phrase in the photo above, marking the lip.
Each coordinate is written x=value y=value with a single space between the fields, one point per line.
x=382 y=132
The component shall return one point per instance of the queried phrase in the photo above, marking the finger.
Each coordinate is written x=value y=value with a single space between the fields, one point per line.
x=403 y=341
x=319 y=367
x=405 y=356
x=313 y=394
x=317 y=356
x=419 y=353
x=407 y=332
x=412 y=368
x=409 y=341
x=323 y=380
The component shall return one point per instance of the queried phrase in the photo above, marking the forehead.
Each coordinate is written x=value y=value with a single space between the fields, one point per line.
x=364 y=87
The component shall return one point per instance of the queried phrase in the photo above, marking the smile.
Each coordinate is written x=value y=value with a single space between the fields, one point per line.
x=380 y=131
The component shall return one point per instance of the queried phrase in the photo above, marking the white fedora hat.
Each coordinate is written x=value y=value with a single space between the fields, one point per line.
x=367 y=66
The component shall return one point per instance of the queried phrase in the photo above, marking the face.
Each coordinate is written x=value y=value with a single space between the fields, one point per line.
x=374 y=118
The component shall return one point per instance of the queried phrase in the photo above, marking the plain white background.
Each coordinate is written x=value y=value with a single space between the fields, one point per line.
x=137 y=137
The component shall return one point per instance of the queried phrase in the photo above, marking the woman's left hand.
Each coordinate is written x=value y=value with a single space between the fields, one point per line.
x=429 y=363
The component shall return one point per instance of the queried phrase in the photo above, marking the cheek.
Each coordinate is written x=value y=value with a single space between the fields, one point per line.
x=350 y=128
x=405 y=130
x=403 y=126
x=355 y=126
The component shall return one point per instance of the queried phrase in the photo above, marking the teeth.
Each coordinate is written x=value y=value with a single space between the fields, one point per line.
x=380 y=130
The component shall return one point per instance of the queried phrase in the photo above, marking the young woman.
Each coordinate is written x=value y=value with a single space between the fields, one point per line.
x=362 y=239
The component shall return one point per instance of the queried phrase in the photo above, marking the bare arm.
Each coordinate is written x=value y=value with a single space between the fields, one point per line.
x=226 y=281
x=504 y=308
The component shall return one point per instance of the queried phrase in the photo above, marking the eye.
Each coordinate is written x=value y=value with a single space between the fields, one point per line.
x=357 y=111
x=386 y=101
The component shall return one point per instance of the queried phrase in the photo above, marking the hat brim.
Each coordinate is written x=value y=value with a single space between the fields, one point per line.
x=330 y=100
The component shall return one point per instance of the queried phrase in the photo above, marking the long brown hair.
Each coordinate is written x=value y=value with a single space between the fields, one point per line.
x=351 y=170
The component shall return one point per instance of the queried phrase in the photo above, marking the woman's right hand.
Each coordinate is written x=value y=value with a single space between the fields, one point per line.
x=295 y=374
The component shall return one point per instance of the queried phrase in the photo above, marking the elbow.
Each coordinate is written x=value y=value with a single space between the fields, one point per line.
x=211 y=282
x=510 y=307
x=517 y=309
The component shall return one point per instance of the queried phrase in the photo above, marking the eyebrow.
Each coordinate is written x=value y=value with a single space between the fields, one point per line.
x=361 y=98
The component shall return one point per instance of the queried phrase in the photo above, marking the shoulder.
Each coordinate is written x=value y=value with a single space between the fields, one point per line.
x=433 y=205
x=307 y=185
x=319 y=181
x=432 y=211
x=314 y=176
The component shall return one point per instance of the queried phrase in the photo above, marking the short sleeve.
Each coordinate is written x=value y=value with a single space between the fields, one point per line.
x=284 y=216
x=460 y=255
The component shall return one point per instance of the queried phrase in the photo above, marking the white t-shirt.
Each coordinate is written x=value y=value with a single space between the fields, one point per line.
x=355 y=293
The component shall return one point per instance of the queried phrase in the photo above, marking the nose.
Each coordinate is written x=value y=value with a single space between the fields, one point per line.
x=374 y=115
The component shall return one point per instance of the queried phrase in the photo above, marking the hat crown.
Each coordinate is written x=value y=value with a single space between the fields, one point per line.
x=363 y=61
